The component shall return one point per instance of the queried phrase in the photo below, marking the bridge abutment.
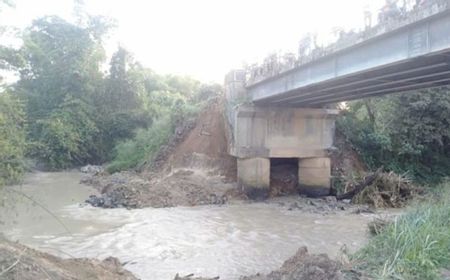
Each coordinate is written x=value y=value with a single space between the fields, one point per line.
x=258 y=134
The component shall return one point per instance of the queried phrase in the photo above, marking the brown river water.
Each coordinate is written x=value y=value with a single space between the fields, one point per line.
x=229 y=241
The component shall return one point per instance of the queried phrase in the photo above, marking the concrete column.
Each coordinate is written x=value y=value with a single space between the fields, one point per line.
x=314 y=176
x=254 y=176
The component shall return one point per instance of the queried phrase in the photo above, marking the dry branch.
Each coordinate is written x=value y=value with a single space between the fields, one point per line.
x=368 y=180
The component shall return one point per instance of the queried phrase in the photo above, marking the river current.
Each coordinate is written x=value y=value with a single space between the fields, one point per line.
x=229 y=240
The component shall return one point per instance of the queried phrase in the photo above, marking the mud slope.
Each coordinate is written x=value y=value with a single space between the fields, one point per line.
x=18 y=262
x=200 y=145
x=194 y=168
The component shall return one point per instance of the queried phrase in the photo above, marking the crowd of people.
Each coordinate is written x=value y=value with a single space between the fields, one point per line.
x=391 y=15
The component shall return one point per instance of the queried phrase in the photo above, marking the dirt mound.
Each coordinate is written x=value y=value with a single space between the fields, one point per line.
x=194 y=168
x=18 y=262
x=303 y=266
x=201 y=145
x=180 y=187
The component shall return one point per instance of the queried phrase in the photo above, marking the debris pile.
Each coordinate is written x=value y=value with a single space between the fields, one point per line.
x=388 y=190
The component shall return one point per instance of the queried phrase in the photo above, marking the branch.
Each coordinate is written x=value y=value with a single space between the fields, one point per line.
x=361 y=186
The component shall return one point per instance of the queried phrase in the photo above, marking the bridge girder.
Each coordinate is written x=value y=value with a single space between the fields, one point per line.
x=412 y=57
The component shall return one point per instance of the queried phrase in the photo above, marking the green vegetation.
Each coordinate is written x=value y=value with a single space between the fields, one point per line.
x=415 y=246
x=407 y=132
x=76 y=113
x=12 y=139
x=172 y=111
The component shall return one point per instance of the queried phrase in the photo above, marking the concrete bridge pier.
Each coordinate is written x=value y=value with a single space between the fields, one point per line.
x=259 y=135
x=254 y=176
x=314 y=176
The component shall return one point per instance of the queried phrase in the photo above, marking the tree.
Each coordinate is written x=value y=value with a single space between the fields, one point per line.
x=120 y=103
x=60 y=77
x=404 y=132
x=12 y=138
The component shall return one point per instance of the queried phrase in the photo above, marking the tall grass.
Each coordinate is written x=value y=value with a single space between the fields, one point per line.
x=143 y=147
x=415 y=246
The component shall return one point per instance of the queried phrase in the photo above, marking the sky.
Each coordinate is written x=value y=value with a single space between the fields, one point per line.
x=205 y=38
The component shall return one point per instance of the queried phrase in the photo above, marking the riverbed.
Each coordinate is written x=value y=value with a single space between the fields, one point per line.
x=48 y=214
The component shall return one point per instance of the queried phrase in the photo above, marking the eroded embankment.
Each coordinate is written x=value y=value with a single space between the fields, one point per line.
x=18 y=262
x=194 y=168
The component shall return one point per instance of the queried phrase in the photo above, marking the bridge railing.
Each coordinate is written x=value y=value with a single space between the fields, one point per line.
x=274 y=65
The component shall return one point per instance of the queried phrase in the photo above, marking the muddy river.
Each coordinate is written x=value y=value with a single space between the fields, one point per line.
x=227 y=240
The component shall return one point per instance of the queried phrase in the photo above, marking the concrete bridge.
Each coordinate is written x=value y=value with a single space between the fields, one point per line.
x=283 y=116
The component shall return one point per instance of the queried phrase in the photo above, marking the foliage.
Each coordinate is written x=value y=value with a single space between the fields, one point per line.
x=76 y=113
x=119 y=105
x=66 y=136
x=414 y=246
x=173 y=102
x=409 y=132
x=57 y=82
x=12 y=138
x=144 y=146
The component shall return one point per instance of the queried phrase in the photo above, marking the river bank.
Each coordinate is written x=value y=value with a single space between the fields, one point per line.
x=18 y=262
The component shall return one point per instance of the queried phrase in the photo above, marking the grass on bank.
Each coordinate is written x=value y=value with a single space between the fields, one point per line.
x=144 y=146
x=415 y=246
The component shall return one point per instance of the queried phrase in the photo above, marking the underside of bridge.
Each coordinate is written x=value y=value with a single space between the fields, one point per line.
x=284 y=116
x=419 y=73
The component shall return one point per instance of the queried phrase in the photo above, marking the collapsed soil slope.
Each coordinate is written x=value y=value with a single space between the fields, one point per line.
x=207 y=138
x=194 y=168
x=18 y=262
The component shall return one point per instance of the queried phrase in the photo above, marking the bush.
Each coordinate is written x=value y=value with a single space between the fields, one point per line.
x=65 y=138
x=142 y=147
x=407 y=132
x=415 y=246
x=12 y=139
x=174 y=110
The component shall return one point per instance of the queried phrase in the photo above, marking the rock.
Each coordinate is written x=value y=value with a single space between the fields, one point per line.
x=92 y=169
x=95 y=201
x=347 y=201
x=310 y=202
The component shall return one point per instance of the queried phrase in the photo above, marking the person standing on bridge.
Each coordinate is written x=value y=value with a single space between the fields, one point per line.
x=367 y=17
x=389 y=11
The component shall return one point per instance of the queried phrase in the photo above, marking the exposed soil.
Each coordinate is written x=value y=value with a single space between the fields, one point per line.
x=207 y=137
x=346 y=164
x=298 y=267
x=18 y=262
x=194 y=168
x=303 y=266
x=180 y=187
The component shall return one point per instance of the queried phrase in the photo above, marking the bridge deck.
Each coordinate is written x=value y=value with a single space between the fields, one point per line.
x=415 y=56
